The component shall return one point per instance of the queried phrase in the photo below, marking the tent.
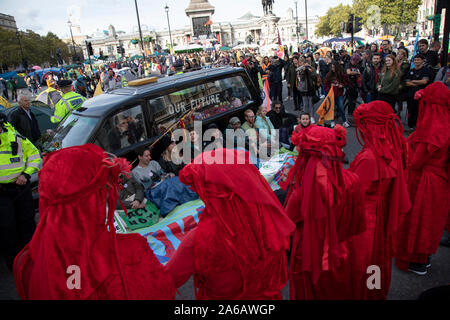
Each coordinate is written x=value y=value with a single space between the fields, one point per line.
x=334 y=40
x=225 y=48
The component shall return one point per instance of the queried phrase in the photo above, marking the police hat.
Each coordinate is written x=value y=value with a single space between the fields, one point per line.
x=64 y=83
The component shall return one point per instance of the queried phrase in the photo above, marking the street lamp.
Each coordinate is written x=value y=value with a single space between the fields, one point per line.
x=140 y=31
x=306 y=14
x=168 y=23
x=73 y=42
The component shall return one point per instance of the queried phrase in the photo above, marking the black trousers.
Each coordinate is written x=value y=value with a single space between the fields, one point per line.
x=413 y=112
x=276 y=91
x=351 y=95
x=16 y=220
x=389 y=98
x=297 y=99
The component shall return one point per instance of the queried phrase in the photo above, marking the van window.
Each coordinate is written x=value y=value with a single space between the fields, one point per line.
x=121 y=130
x=210 y=98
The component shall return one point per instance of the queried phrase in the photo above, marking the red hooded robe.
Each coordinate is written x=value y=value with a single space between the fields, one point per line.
x=380 y=166
x=428 y=183
x=76 y=186
x=238 y=250
x=326 y=203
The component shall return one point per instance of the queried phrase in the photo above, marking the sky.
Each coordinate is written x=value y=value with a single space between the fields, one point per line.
x=43 y=16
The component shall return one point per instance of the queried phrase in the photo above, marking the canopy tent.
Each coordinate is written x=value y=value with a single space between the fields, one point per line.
x=334 y=40
x=50 y=97
x=136 y=57
x=348 y=39
x=4 y=104
x=189 y=48
x=246 y=46
x=225 y=48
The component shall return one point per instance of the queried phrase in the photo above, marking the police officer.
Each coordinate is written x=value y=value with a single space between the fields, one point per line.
x=19 y=159
x=69 y=101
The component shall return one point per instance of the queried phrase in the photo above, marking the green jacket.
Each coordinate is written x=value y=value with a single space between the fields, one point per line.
x=390 y=84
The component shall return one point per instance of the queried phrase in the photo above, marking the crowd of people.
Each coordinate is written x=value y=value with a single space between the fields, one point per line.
x=333 y=223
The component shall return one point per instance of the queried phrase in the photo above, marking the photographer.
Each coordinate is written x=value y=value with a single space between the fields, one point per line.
x=307 y=79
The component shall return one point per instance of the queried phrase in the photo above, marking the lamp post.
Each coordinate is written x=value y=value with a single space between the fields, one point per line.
x=73 y=42
x=170 y=33
x=140 y=31
x=306 y=14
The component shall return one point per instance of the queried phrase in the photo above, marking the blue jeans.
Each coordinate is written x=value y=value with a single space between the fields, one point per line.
x=339 y=103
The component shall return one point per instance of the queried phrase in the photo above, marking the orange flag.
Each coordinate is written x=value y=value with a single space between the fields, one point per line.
x=326 y=109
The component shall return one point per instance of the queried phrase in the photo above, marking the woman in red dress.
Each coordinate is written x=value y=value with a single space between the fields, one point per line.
x=380 y=166
x=238 y=250
x=428 y=183
x=326 y=203
x=75 y=252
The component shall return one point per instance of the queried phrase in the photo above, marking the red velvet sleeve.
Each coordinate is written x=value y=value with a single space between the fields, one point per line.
x=181 y=265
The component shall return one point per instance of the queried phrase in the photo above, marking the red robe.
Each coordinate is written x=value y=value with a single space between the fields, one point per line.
x=380 y=167
x=326 y=204
x=75 y=241
x=428 y=179
x=238 y=250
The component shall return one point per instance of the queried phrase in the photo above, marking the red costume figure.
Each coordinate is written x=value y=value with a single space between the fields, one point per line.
x=380 y=167
x=428 y=183
x=75 y=252
x=326 y=203
x=238 y=250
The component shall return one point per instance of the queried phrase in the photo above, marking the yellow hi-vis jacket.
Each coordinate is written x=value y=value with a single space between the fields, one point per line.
x=69 y=101
x=27 y=160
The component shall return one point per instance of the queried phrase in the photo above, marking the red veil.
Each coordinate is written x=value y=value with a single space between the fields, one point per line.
x=428 y=172
x=382 y=132
x=243 y=227
x=78 y=188
x=326 y=204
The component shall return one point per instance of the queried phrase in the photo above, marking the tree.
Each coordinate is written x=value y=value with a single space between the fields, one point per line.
x=330 y=24
x=390 y=15
x=36 y=49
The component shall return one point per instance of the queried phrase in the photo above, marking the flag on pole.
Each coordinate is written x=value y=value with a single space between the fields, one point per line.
x=279 y=38
x=326 y=109
x=267 y=101
x=416 y=50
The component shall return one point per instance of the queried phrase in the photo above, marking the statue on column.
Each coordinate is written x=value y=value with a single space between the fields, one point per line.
x=267 y=6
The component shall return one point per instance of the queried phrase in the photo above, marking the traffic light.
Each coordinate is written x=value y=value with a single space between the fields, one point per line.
x=349 y=28
x=358 y=25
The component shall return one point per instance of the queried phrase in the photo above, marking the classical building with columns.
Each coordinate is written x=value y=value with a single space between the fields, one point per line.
x=203 y=30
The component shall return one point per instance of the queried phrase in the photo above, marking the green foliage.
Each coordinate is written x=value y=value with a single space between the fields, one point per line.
x=330 y=24
x=392 y=13
x=37 y=49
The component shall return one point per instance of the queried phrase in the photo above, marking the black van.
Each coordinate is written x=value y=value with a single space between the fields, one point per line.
x=146 y=111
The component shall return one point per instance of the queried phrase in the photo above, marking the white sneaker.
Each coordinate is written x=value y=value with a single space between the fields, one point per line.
x=333 y=124
x=346 y=124
x=313 y=120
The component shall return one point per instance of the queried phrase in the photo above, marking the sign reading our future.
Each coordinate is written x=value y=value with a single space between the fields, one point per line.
x=184 y=106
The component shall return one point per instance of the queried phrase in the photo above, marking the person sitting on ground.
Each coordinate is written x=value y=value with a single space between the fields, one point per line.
x=165 y=160
x=282 y=121
x=213 y=138
x=235 y=136
x=265 y=127
x=249 y=120
x=131 y=194
x=148 y=172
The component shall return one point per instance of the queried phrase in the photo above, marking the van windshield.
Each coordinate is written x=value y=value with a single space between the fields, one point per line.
x=73 y=131
x=208 y=99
